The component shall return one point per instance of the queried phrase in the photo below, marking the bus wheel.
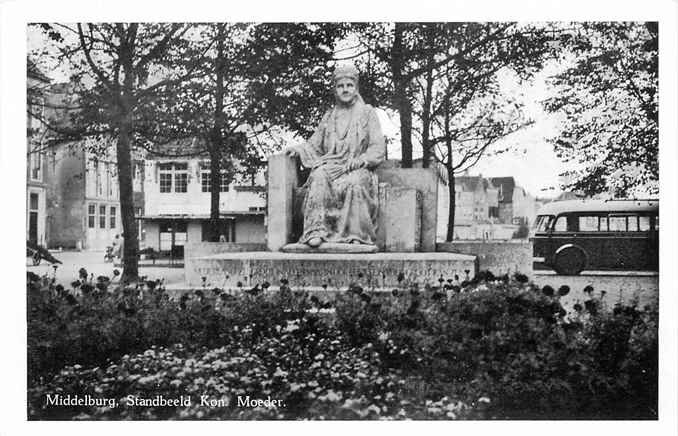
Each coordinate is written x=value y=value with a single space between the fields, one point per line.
x=570 y=261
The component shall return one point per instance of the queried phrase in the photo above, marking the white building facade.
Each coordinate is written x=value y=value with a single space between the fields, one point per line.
x=177 y=206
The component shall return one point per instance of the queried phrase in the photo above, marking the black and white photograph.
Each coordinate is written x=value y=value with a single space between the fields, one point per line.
x=438 y=219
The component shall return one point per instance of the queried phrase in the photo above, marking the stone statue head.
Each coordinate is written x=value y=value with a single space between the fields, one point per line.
x=346 y=71
x=346 y=84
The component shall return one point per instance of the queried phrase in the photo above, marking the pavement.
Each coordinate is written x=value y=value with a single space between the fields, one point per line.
x=93 y=262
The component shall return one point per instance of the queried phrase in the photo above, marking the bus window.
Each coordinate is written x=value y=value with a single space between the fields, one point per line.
x=632 y=223
x=644 y=223
x=617 y=223
x=603 y=224
x=561 y=224
x=656 y=222
x=588 y=223
x=543 y=223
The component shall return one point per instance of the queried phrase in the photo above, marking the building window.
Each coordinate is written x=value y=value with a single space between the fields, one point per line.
x=165 y=171
x=180 y=177
x=223 y=185
x=102 y=217
x=109 y=181
x=112 y=217
x=91 y=216
x=173 y=177
x=205 y=180
x=165 y=182
x=34 y=202
x=99 y=179
x=36 y=166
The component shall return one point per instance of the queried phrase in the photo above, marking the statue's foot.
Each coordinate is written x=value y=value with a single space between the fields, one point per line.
x=314 y=242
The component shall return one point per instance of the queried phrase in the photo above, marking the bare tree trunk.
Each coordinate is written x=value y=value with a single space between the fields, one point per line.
x=216 y=141
x=401 y=102
x=453 y=204
x=426 y=115
x=451 y=188
x=123 y=153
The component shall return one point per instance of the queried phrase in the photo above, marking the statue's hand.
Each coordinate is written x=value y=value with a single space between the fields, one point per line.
x=354 y=164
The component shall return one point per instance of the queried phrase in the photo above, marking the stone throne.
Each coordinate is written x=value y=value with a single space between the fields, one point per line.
x=407 y=207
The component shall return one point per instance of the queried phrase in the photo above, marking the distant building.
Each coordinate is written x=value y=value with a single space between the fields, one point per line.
x=475 y=208
x=516 y=206
x=485 y=208
x=36 y=184
x=84 y=200
x=177 y=202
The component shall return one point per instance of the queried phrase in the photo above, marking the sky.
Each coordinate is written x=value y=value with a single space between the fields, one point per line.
x=531 y=160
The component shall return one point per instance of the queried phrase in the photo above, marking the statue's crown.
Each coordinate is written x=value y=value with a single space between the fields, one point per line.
x=346 y=71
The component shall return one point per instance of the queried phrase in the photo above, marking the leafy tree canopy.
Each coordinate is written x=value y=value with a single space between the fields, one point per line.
x=609 y=99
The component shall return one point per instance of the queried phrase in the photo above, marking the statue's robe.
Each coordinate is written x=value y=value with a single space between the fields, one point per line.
x=340 y=206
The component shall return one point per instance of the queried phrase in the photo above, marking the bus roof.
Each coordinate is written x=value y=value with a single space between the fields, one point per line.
x=558 y=207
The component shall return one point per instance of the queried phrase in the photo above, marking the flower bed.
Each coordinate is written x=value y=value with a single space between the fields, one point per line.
x=484 y=349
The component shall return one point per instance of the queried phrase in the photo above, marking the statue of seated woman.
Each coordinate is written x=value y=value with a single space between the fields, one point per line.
x=340 y=204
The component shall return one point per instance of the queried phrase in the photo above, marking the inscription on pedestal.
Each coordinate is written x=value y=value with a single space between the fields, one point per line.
x=331 y=272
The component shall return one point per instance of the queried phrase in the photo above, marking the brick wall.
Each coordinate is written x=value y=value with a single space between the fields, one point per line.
x=499 y=257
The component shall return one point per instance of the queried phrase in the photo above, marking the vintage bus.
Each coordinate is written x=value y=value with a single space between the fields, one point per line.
x=576 y=235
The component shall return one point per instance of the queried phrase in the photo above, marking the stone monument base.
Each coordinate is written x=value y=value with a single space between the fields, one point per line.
x=330 y=247
x=331 y=271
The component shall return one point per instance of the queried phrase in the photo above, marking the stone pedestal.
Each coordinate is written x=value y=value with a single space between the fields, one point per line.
x=282 y=179
x=403 y=220
x=425 y=181
x=379 y=271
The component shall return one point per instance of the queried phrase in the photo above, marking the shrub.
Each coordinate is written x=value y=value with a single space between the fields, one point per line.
x=490 y=348
x=516 y=345
x=104 y=322
x=310 y=368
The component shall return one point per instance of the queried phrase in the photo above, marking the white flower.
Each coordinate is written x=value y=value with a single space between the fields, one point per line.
x=333 y=396
x=279 y=373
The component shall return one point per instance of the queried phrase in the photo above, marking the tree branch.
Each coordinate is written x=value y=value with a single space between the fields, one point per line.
x=102 y=77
